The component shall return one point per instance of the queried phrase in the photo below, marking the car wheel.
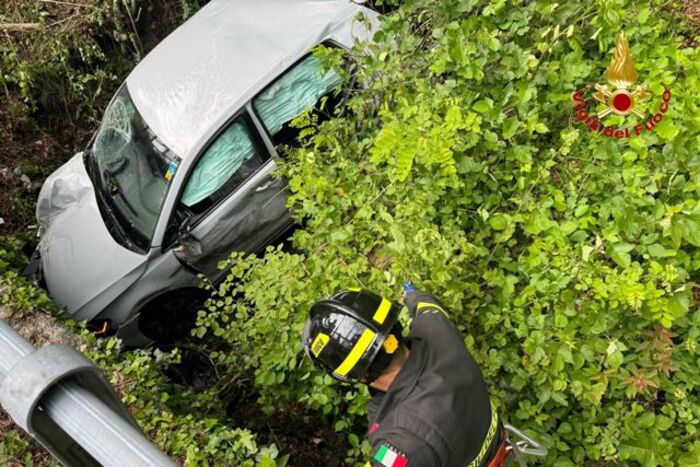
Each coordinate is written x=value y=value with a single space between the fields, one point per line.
x=169 y=318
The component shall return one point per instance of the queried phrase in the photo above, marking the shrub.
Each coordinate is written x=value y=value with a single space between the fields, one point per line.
x=569 y=260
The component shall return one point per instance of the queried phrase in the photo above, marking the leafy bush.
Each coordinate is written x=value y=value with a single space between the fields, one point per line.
x=569 y=260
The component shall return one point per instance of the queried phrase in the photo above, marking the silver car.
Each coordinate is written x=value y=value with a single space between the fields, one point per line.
x=178 y=174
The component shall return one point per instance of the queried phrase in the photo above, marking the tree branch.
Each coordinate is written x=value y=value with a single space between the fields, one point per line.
x=20 y=26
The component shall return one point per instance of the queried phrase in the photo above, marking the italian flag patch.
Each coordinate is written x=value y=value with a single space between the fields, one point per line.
x=389 y=457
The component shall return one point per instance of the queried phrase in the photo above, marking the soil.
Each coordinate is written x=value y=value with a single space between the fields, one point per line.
x=296 y=431
x=691 y=9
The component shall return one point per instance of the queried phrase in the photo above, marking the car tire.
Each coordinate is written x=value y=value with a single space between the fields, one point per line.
x=169 y=318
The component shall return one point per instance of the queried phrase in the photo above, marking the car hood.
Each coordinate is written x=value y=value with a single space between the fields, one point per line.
x=83 y=266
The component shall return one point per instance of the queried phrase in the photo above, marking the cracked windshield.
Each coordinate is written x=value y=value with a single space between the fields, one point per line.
x=135 y=168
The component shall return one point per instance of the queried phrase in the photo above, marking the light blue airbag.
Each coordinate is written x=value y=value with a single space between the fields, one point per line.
x=300 y=88
x=219 y=163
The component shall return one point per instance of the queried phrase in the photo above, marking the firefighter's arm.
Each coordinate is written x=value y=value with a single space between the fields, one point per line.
x=401 y=448
x=420 y=302
x=430 y=319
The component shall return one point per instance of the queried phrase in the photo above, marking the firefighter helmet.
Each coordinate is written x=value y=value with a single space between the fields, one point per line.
x=352 y=335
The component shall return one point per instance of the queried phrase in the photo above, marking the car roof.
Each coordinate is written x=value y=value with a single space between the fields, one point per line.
x=212 y=64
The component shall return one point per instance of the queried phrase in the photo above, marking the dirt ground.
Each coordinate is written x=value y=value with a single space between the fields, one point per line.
x=691 y=9
x=295 y=431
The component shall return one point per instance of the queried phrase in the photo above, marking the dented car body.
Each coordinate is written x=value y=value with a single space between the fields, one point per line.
x=179 y=174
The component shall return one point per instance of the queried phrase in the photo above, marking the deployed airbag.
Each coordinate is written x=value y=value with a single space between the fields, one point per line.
x=223 y=158
x=300 y=88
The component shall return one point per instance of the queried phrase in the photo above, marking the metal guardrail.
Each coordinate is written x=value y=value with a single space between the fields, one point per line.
x=64 y=401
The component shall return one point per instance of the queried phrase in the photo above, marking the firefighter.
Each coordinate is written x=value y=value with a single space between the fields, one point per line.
x=430 y=406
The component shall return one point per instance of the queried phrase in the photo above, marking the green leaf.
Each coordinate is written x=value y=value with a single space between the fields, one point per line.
x=541 y=128
x=498 y=222
x=619 y=253
x=687 y=227
x=644 y=449
x=615 y=359
x=679 y=304
x=667 y=130
x=656 y=250
x=643 y=15
x=510 y=127
x=482 y=106
x=691 y=458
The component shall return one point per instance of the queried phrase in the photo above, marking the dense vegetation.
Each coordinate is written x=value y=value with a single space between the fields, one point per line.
x=569 y=260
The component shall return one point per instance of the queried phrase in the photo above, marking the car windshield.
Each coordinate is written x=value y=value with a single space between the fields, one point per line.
x=134 y=169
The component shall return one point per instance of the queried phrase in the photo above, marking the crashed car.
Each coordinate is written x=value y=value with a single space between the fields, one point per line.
x=179 y=173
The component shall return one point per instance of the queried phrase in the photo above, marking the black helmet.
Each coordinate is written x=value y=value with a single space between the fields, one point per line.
x=352 y=335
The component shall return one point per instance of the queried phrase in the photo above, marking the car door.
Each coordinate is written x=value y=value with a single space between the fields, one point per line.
x=254 y=211
x=231 y=201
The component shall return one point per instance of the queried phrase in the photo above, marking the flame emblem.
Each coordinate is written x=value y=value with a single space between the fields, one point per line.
x=622 y=75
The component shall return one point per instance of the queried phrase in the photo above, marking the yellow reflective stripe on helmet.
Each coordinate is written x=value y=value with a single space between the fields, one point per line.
x=356 y=353
x=382 y=311
x=422 y=305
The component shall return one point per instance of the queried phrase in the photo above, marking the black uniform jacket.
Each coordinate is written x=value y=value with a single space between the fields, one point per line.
x=437 y=411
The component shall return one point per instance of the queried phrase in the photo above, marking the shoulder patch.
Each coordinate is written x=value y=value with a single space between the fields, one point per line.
x=388 y=456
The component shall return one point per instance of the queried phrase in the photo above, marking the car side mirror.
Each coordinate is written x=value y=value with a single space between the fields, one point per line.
x=189 y=244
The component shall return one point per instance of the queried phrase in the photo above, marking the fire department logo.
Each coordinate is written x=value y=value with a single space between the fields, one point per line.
x=621 y=75
x=621 y=96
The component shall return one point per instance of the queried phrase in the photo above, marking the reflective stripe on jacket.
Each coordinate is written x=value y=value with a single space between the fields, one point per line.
x=437 y=411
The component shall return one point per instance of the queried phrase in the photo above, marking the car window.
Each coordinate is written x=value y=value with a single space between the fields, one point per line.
x=299 y=88
x=226 y=164
x=133 y=169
